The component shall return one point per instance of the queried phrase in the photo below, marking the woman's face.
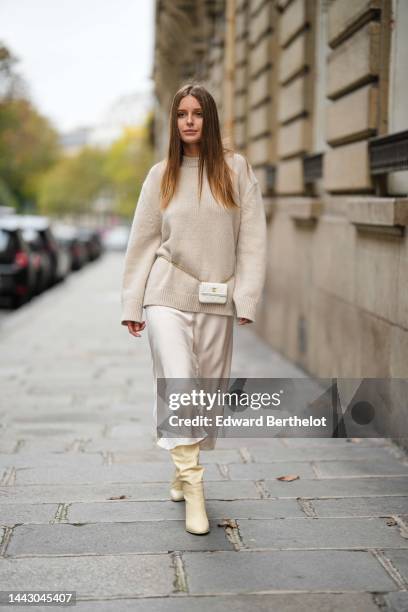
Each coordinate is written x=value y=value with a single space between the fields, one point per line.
x=190 y=120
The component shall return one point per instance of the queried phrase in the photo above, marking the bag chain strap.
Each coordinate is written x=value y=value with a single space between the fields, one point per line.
x=178 y=266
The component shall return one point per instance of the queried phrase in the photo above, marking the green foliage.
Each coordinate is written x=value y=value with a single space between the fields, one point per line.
x=127 y=163
x=35 y=170
x=71 y=185
x=74 y=183
x=28 y=141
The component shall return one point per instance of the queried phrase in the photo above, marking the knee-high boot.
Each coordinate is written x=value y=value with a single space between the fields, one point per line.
x=186 y=460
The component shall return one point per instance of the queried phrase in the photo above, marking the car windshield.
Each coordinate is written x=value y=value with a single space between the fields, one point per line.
x=4 y=241
x=32 y=237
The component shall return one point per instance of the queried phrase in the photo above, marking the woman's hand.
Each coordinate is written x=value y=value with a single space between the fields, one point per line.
x=135 y=327
x=243 y=321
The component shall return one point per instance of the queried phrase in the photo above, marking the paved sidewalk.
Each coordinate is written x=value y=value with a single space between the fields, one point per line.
x=76 y=430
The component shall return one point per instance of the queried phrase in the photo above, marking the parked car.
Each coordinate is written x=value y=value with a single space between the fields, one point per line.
x=59 y=258
x=64 y=262
x=92 y=241
x=67 y=235
x=18 y=270
x=42 y=260
x=42 y=225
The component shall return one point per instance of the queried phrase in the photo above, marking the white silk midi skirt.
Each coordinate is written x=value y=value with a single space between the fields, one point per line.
x=188 y=345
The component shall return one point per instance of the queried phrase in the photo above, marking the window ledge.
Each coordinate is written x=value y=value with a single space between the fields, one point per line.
x=384 y=212
x=301 y=209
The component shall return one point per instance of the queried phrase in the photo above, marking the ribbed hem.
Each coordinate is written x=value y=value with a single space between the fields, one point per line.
x=186 y=301
x=132 y=311
x=246 y=307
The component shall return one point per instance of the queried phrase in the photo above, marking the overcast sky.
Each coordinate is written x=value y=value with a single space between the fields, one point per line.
x=79 y=56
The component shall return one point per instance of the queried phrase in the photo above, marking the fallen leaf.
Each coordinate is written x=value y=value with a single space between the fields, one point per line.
x=288 y=477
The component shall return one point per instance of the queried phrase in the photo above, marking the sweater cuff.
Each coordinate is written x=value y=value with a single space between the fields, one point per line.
x=245 y=307
x=132 y=311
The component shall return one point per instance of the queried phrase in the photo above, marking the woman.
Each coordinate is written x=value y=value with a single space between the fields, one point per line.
x=199 y=219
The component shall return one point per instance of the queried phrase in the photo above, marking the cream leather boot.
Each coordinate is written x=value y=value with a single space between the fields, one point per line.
x=176 y=488
x=185 y=457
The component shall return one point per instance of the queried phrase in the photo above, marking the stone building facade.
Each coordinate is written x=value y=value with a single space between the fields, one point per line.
x=315 y=93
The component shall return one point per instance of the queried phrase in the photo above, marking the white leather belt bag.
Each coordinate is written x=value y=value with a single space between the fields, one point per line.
x=208 y=293
x=215 y=293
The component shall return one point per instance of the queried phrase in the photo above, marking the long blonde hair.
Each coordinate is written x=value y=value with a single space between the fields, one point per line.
x=211 y=154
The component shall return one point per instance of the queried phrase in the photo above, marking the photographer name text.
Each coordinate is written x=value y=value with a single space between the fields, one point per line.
x=268 y=420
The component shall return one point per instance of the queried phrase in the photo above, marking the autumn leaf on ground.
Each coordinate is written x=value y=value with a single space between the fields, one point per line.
x=288 y=477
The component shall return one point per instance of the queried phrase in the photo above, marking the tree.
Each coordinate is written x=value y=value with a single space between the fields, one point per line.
x=28 y=142
x=127 y=164
x=12 y=85
x=73 y=183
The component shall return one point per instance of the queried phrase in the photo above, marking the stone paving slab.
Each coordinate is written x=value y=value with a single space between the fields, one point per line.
x=54 y=430
x=63 y=460
x=216 y=456
x=250 y=443
x=225 y=490
x=381 y=467
x=339 y=487
x=37 y=402
x=332 y=570
x=92 y=576
x=142 y=511
x=320 y=453
x=112 y=538
x=255 y=471
x=287 y=602
x=103 y=388
x=309 y=442
x=127 y=430
x=397 y=602
x=11 y=514
x=322 y=533
x=141 y=472
x=41 y=416
x=138 y=443
x=361 y=506
x=47 y=445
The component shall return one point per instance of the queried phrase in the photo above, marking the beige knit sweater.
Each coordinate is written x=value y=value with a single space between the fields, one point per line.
x=207 y=241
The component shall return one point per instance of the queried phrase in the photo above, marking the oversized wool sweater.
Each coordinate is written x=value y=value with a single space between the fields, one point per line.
x=170 y=252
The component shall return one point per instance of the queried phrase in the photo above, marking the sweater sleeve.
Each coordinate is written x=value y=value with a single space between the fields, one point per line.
x=144 y=239
x=250 y=254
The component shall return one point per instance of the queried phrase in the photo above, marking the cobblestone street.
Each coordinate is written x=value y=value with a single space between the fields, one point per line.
x=76 y=431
